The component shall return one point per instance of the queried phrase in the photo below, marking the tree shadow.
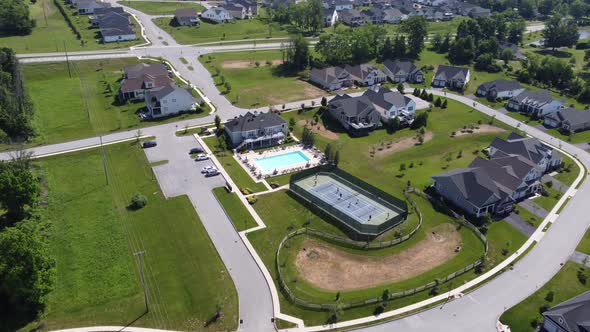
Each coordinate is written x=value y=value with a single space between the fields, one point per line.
x=556 y=53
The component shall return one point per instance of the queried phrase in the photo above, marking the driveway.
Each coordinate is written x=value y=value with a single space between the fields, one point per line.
x=181 y=176
x=556 y=183
x=534 y=208
x=519 y=224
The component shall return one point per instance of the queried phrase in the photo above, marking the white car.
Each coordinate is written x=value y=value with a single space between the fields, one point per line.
x=212 y=172
x=207 y=169
x=201 y=157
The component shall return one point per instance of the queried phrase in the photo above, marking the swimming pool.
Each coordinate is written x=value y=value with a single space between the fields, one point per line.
x=269 y=164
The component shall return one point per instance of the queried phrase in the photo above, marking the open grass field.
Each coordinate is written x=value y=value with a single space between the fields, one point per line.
x=584 y=245
x=161 y=8
x=237 y=212
x=208 y=32
x=231 y=166
x=94 y=235
x=83 y=105
x=254 y=86
x=52 y=33
x=564 y=285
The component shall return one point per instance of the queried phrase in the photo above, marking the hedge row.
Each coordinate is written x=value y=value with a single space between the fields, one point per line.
x=66 y=16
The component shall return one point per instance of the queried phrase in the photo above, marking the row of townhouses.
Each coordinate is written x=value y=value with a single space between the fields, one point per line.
x=231 y=10
x=114 y=23
x=492 y=186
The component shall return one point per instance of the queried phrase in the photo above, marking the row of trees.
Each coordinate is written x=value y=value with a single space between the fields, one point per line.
x=307 y=16
x=16 y=110
x=14 y=17
x=548 y=71
x=370 y=42
x=26 y=267
x=560 y=32
x=529 y=8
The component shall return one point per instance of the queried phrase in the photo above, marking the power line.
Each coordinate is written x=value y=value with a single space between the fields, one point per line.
x=145 y=295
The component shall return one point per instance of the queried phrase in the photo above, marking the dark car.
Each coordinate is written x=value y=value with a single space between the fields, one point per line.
x=195 y=151
x=149 y=144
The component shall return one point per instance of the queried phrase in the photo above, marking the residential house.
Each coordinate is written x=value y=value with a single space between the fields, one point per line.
x=330 y=16
x=331 y=78
x=366 y=74
x=402 y=71
x=236 y=11
x=142 y=77
x=534 y=103
x=251 y=6
x=530 y=148
x=451 y=77
x=518 y=55
x=351 y=17
x=338 y=4
x=87 y=7
x=393 y=16
x=373 y=15
x=115 y=27
x=572 y=315
x=568 y=120
x=499 y=88
x=489 y=187
x=256 y=130
x=100 y=13
x=186 y=17
x=217 y=15
x=357 y=115
x=275 y=4
x=392 y=104
x=168 y=100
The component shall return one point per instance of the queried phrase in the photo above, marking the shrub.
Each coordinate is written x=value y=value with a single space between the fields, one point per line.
x=138 y=201
x=434 y=291
x=504 y=252
x=549 y=296
x=252 y=199
x=543 y=308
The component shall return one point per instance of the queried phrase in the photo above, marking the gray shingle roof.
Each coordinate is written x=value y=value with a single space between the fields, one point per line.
x=359 y=106
x=385 y=98
x=185 y=12
x=527 y=147
x=451 y=72
x=474 y=184
x=326 y=76
x=398 y=67
x=251 y=121
x=572 y=315
x=537 y=98
x=574 y=116
x=500 y=85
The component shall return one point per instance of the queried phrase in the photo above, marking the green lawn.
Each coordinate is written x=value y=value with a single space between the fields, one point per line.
x=231 y=166
x=211 y=32
x=161 y=8
x=564 y=285
x=61 y=101
x=566 y=177
x=253 y=86
x=532 y=219
x=548 y=202
x=52 y=33
x=584 y=245
x=237 y=212
x=94 y=235
x=502 y=236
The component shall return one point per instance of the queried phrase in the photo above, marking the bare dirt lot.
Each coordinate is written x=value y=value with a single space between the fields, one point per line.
x=237 y=64
x=389 y=147
x=319 y=129
x=484 y=128
x=327 y=267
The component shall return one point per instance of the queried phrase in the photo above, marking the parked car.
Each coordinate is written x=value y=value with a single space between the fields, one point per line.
x=201 y=157
x=207 y=169
x=204 y=130
x=212 y=172
x=195 y=151
x=149 y=144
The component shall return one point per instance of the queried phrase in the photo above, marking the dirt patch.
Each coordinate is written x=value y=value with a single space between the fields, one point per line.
x=480 y=129
x=387 y=147
x=330 y=268
x=237 y=64
x=319 y=129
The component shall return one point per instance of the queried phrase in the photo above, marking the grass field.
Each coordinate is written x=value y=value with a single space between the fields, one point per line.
x=93 y=238
x=161 y=8
x=211 y=32
x=548 y=202
x=237 y=212
x=564 y=285
x=584 y=246
x=231 y=166
x=566 y=177
x=254 y=86
x=52 y=33
x=530 y=218
x=61 y=101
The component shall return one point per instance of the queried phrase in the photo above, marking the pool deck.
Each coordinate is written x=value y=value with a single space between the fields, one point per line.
x=248 y=161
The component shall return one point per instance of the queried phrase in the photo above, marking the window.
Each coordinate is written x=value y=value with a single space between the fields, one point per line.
x=164 y=101
x=173 y=100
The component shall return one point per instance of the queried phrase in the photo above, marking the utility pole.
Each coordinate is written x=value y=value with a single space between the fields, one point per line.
x=67 y=60
x=145 y=295
x=104 y=161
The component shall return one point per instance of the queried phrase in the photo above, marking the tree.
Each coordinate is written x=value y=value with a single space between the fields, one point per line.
x=26 y=268
x=400 y=88
x=292 y=123
x=484 y=61
x=445 y=44
x=335 y=48
x=297 y=52
x=437 y=102
x=436 y=41
x=416 y=28
x=328 y=152
x=138 y=201
x=516 y=31
x=507 y=55
x=227 y=87
x=462 y=51
x=336 y=160
x=420 y=121
x=399 y=46
x=526 y=8
x=560 y=32
x=444 y=104
x=387 y=51
x=324 y=102
x=217 y=122
x=578 y=9
x=19 y=187
x=14 y=17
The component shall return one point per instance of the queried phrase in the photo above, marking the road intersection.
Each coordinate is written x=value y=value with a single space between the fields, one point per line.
x=478 y=311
